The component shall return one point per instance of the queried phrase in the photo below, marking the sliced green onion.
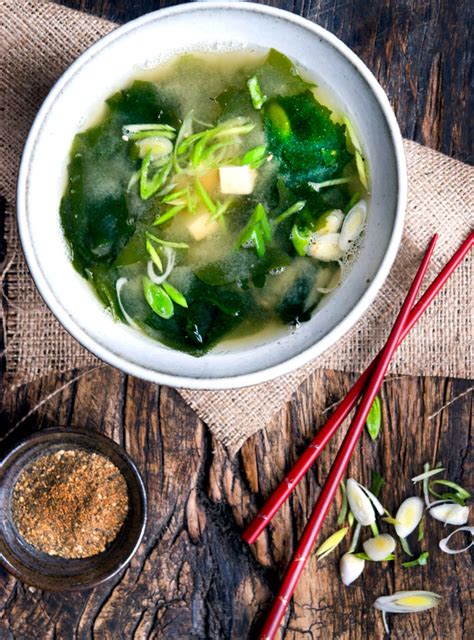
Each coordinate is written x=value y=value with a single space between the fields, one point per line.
x=140 y=131
x=210 y=154
x=355 y=535
x=390 y=519
x=205 y=197
x=175 y=295
x=258 y=241
x=317 y=186
x=331 y=543
x=376 y=484
x=199 y=149
x=157 y=298
x=184 y=132
x=421 y=529
x=166 y=243
x=300 y=239
x=168 y=215
x=149 y=185
x=295 y=208
x=351 y=135
x=222 y=208
x=154 y=255
x=175 y=195
x=374 y=419
x=460 y=491
x=364 y=556
x=279 y=118
x=427 y=474
x=420 y=561
x=405 y=546
x=237 y=130
x=344 y=505
x=191 y=201
x=170 y=261
x=361 y=169
x=354 y=200
x=256 y=93
x=257 y=230
x=254 y=157
x=188 y=142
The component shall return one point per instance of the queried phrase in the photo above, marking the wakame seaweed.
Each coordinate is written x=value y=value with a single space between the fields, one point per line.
x=211 y=202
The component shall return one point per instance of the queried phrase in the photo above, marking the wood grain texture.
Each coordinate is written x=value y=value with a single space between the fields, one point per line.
x=192 y=576
x=419 y=50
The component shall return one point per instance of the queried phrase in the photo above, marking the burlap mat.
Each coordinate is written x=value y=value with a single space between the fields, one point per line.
x=39 y=40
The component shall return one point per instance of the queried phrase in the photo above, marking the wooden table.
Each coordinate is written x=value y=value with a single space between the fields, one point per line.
x=192 y=576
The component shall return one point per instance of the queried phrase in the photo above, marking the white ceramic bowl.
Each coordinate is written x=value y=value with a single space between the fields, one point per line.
x=109 y=65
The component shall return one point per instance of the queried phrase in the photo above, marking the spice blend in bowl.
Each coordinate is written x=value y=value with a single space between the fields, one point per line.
x=73 y=509
x=71 y=503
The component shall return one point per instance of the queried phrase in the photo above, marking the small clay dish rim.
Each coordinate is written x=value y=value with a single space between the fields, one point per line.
x=53 y=573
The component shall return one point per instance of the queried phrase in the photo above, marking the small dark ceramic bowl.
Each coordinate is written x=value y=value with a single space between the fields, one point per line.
x=53 y=573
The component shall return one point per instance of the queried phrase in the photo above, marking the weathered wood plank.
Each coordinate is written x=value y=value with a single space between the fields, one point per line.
x=192 y=576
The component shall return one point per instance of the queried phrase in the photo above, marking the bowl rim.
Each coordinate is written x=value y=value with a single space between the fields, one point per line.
x=306 y=354
x=93 y=440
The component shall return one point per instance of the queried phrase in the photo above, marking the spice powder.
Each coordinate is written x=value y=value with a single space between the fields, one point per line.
x=70 y=503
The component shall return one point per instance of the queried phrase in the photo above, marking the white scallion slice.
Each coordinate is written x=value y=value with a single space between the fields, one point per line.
x=332 y=280
x=406 y=602
x=317 y=186
x=350 y=568
x=360 y=504
x=375 y=501
x=331 y=543
x=325 y=247
x=330 y=222
x=443 y=544
x=450 y=513
x=119 y=285
x=380 y=547
x=353 y=225
x=427 y=474
x=408 y=516
x=157 y=145
x=170 y=260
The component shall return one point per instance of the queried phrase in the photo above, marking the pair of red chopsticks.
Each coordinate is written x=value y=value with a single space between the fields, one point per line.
x=365 y=388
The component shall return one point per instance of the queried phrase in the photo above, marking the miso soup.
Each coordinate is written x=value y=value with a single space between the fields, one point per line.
x=215 y=199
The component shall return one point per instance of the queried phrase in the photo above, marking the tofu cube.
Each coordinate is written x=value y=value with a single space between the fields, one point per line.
x=202 y=226
x=238 y=181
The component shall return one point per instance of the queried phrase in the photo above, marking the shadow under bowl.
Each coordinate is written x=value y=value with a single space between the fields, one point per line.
x=54 y=573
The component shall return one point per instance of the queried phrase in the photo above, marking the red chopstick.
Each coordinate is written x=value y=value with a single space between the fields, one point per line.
x=299 y=469
x=341 y=462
